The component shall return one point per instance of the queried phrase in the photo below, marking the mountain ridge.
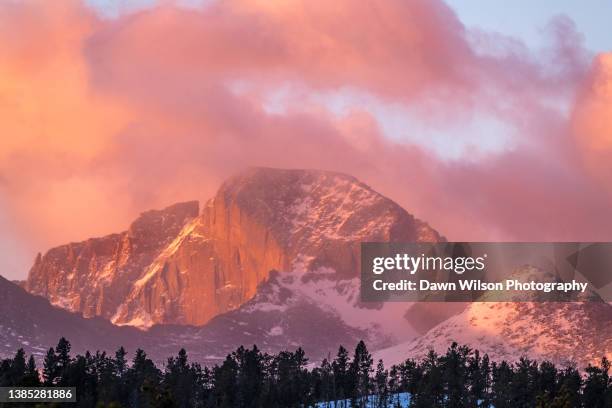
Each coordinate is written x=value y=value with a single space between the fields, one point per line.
x=532 y=326
x=211 y=262
x=272 y=259
x=91 y=276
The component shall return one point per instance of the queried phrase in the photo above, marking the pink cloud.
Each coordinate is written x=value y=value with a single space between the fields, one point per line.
x=592 y=121
x=111 y=117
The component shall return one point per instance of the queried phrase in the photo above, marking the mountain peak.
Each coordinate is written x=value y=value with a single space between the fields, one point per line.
x=314 y=205
x=152 y=225
x=175 y=266
x=177 y=210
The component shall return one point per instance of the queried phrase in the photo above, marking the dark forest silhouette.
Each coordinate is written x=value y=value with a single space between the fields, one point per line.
x=249 y=378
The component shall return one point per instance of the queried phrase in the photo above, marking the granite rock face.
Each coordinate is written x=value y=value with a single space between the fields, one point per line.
x=93 y=277
x=259 y=221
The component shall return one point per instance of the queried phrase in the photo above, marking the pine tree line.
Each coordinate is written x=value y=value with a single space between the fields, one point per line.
x=249 y=378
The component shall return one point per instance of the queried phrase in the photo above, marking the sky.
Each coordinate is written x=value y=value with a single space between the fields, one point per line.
x=527 y=20
x=489 y=122
x=522 y=19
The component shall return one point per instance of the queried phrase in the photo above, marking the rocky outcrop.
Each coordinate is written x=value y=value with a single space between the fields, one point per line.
x=94 y=277
x=259 y=221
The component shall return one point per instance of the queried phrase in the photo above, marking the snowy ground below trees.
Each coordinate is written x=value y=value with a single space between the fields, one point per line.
x=396 y=401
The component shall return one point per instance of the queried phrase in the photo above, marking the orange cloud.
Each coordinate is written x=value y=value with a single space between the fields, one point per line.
x=593 y=120
x=397 y=48
x=102 y=118
x=47 y=104
x=53 y=125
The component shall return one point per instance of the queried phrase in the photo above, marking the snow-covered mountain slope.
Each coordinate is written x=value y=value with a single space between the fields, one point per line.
x=301 y=309
x=556 y=331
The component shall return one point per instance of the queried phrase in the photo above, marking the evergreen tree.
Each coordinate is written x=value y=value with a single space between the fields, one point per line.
x=250 y=378
x=18 y=368
x=51 y=372
x=525 y=383
x=78 y=375
x=31 y=378
x=324 y=377
x=63 y=355
x=120 y=362
x=547 y=379
x=226 y=383
x=571 y=380
x=455 y=375
x=501 y=387
x=564 y=399
x=182 y=380
x=597 y=385
x=120 y=367
x=104 y=368
x=302 y=377
x=343 y=384
x=290 y=372
x=360 y=369
x=142 y=379
x=5 y=368
x=411 y=375
x=382 y=385
x=394 y=385
x=478 y=373
x=430 y=390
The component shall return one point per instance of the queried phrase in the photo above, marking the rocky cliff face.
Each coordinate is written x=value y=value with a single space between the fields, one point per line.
x=94 y=276
x=259 y=221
